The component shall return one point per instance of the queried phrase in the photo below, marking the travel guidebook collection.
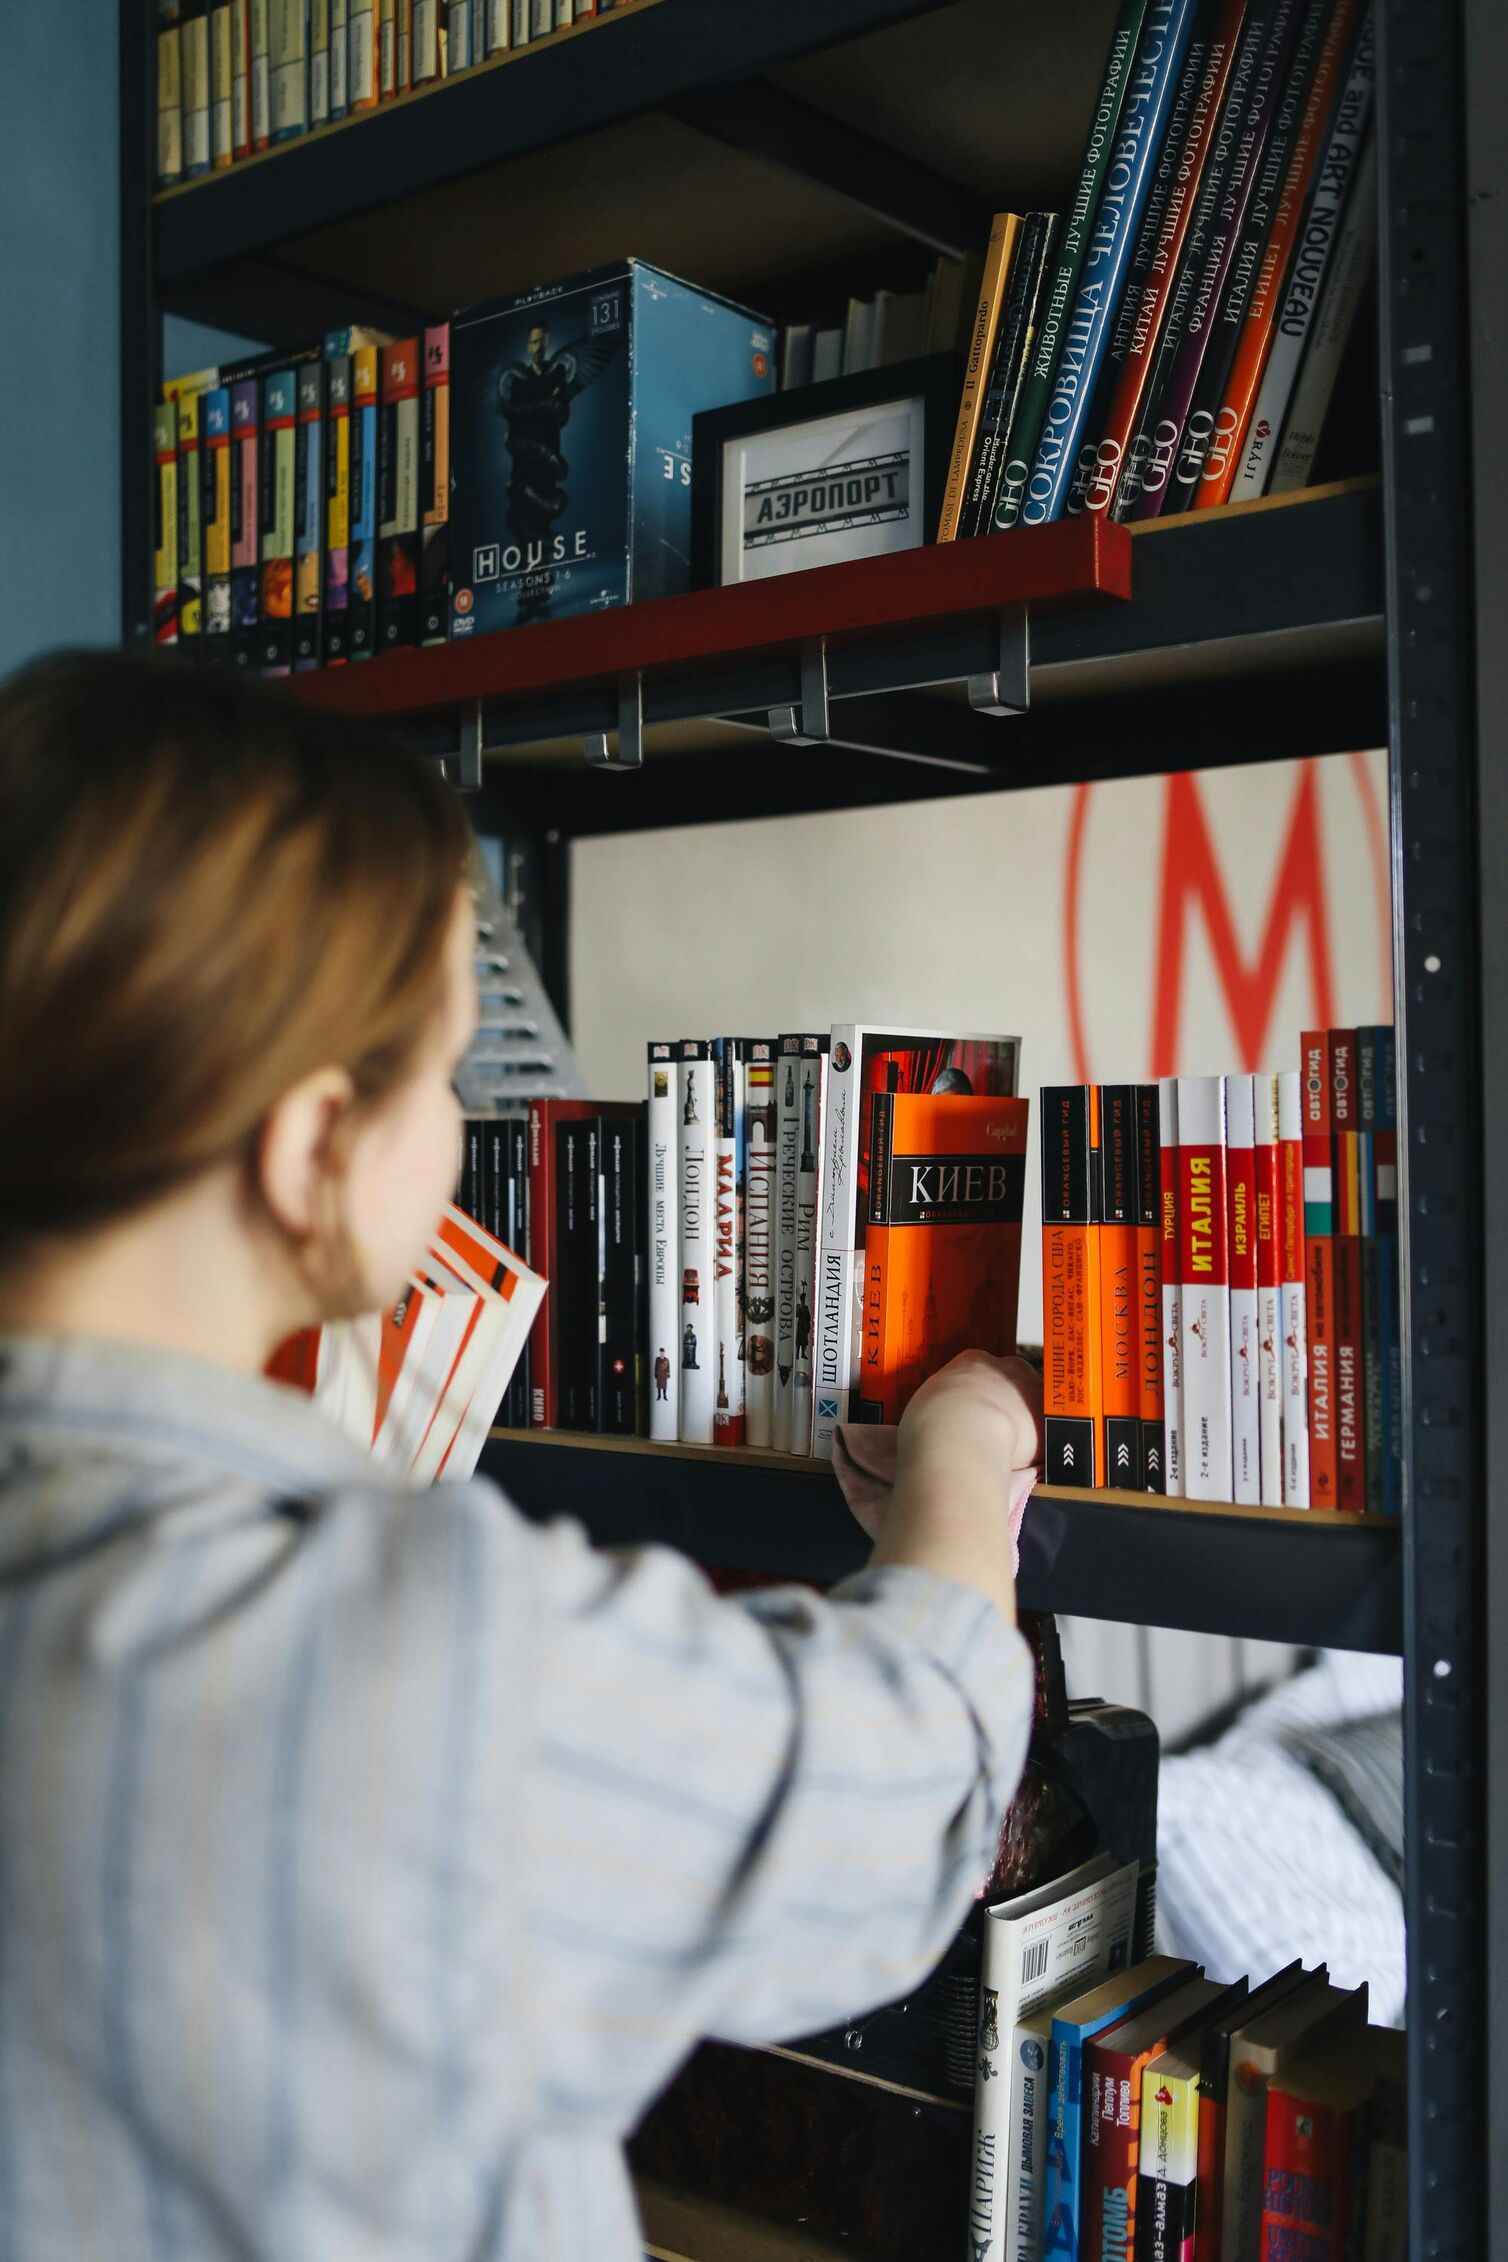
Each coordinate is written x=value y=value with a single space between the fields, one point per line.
x=1220 y=1282
x=235 y=77
x=1148 y=2112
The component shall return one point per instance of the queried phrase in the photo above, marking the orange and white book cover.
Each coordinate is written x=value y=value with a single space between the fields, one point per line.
x=942 y=1257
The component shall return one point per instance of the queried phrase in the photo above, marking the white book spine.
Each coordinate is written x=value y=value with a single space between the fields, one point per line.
x=340 y=58
x=787 y=1154
x=812 y=1100
x=461 y=53
x=543 y=18
x=1241 y=1243
x=523 y=16
x=1269 y=1293
x=1295 y=1302
x=834 y=1314
x=1334 y=320
x=1204 y=1330
x=728 y=1411
x=261 y=84
x=1306 y=273
x=1172 y=1292
x=698 y=1352
x=663 y=1168
x=1031 y=1953
x=760 y=1202
x=363 y=55
x=499 y=21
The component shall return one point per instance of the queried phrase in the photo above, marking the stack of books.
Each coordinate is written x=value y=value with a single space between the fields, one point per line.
x=1220 y=1282
x=1153 y=2112
x=420 y=1386
x=1174 y=340
x=235 y=77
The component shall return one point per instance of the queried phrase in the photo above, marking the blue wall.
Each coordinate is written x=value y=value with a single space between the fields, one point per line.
x=59 y=395
x=59 y=339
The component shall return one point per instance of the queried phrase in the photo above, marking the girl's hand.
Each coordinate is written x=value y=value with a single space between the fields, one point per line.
x=976 y=1403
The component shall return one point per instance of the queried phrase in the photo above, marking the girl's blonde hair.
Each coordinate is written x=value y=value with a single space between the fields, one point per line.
x=207 y=891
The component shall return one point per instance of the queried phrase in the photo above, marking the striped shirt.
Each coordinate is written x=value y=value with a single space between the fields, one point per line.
x=369 y=1858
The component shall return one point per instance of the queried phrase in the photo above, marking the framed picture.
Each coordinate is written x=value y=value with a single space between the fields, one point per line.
x=851 y=468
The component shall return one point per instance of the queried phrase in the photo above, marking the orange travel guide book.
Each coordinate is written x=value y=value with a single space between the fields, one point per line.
x=942 y=1249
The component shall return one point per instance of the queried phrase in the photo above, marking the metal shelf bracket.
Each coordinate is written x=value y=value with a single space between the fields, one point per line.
x=1006 y=689
x=630 y=754
x=807 y=723
x=464 y=767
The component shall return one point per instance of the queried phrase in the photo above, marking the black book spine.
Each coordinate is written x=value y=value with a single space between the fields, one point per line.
x=577 y=1285
x=514 y=1221
x=1150 y=451
x=619 y=1361
x=1004 y=377
x=1225 y=336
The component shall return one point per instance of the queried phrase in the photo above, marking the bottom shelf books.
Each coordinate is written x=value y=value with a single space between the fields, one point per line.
x=1146 y=2112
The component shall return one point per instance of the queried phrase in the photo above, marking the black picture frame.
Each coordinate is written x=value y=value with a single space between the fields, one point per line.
x=935 y=379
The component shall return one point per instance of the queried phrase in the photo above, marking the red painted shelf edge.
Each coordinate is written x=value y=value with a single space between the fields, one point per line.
x=1074 y=560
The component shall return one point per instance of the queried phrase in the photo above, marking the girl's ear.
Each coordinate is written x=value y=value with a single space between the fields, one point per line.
x=300 y=1151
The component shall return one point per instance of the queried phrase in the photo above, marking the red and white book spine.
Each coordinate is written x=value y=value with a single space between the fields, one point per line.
x=729 y=1424
x=1241 y=1240
x=1269 y=1292
x=663 y=1161
x=1204 y=1276
x=787 y=1144
x=1172 y=1291
x=1319 y=1267
x=760 y=1200
x=698 y=1349
x=1293 y=1304
x=1350 y=1323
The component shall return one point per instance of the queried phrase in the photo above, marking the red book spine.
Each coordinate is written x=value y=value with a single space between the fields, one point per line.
x=1306 y=2181
x=1112 y=2151
x=1350 y=1326
x=1319 y=1267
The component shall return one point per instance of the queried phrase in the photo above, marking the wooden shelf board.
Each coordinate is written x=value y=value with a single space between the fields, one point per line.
x=680 y=2227
x=1304 y=1577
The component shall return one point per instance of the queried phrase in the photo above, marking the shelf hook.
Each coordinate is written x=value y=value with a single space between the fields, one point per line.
x=630 y=754
x=1006 y=689
x=806 y=723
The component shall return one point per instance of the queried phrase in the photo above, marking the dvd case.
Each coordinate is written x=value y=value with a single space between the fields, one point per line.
x=309 y=515
x=698 y=1352
x=398 y=497
x=663 y=1239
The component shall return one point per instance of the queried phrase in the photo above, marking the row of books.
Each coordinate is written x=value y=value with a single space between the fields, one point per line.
x=880 y=328
x=830 y=1215
x=1151 y=2111
x=791 y=1233
x=235 y=77
x=1174 y=339
x=1220 y=1282
x=302 y=503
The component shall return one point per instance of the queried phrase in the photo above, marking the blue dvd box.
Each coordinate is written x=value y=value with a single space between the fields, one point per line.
x=571 y=410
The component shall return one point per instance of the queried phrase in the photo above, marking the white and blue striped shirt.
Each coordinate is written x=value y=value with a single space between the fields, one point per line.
x=369 y=1858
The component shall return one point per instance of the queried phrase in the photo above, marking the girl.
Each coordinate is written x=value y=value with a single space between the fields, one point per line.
x=369 y=1858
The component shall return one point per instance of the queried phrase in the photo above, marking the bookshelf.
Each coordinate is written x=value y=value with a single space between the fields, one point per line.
x=865 y=131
